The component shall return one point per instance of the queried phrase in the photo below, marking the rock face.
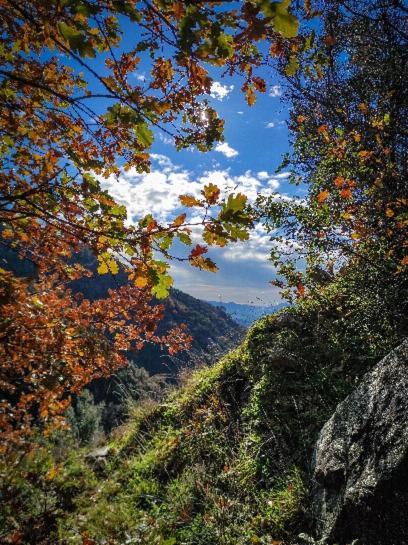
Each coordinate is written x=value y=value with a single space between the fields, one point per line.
x=361 y=464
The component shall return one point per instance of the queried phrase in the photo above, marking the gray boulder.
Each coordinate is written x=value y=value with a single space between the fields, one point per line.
x=361 y=461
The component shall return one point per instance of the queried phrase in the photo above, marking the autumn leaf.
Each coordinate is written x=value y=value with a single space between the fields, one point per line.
x=113 y=266
x=211 y=193
x=141 y=281
x=364 y=154
x=300 y=290
x=363 y=108
x=259 y=84
x=322 y=196
x=179 y=220
x=250 y=95
x=346 y=193
x=103 y=268
x=189 y=201
x=198 y=250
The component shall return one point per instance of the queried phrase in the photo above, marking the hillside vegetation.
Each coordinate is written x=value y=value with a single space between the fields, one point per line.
x=226 y=459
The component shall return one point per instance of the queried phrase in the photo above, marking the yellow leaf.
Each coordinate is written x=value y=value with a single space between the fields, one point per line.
x=389 y=213
x=141 y=281
x=355 y=236
x=52 y=473
x=113 y=267
x=103 y=268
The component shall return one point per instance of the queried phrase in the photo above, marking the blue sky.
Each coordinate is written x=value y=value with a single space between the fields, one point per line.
x=255 y=139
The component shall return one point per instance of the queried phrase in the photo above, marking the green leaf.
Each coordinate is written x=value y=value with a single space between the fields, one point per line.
x=166 y=242
x=284 y=22
x=236 y=202
x=184 y=238
x=161 y=289
x=118 y=210
x=292 y=67
x=225 y=47
x=144 y=135
x=77 y=40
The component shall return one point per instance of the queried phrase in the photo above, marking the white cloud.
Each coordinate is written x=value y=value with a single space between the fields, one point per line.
x=240 y=113
x=275 y=91
x=157 y=192
x=274 y=124
x=140 y=76
x=263 y=175
x=220 y=91
x=226 y=149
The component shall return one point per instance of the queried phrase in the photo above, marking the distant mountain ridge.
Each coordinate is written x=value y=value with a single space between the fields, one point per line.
x=246 y=315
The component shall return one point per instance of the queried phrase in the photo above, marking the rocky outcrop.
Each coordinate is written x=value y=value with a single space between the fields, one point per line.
x=361 y=461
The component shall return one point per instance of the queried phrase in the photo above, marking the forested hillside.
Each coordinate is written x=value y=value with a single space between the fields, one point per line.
x=213 y=331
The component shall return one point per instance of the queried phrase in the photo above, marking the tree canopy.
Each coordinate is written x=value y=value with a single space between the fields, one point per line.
x=70 y=114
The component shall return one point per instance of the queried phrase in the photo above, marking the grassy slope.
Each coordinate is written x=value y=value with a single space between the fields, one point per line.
x=226 y=460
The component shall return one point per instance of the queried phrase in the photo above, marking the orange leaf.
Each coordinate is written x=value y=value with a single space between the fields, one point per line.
x=250 y=96
x=346 y=193
x=363 y=154
x=389 y=213
x=189 y=201
x=300 y=290
x=141 y=281
x=179 y=220
x=322 y=196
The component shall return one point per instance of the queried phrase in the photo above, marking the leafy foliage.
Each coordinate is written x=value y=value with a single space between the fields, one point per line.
x=72 y=113
x=350 y=157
